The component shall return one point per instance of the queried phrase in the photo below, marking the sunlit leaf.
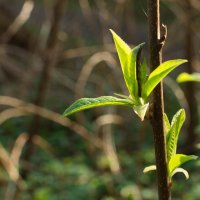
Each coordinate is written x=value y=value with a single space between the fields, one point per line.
x=173 y=134
x=123 y=50
x=167 y=125
x=143 y=72
x=127 y=59
x=180 y=170
x=158 y=74
x=149 y=168
x=130 y=74
x=177 y=160
x=86 y=103
x=183 y=77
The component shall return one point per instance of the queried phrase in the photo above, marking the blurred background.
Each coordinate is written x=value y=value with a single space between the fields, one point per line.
x=55 y=51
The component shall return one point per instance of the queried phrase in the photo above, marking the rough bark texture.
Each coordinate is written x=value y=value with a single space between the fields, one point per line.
x=155 y=48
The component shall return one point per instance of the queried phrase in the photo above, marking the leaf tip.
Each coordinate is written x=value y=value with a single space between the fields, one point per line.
x=181 y=170
x=112 y=32
x=149 y=168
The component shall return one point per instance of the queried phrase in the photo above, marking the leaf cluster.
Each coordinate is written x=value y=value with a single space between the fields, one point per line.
x=174 y=161
x=138 y=83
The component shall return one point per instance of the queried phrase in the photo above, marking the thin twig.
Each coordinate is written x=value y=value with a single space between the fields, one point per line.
x=22 y=108
x=19 y=21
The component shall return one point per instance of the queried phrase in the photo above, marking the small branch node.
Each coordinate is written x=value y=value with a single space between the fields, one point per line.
x=163 y=36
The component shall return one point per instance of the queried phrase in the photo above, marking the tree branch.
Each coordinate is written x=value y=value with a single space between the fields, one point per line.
x=156 y=42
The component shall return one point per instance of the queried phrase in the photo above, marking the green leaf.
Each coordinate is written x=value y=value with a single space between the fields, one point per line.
x=143 y=72
x=123 y=50
x=183 y=77
x=158 y=74
x=177 y=160
x=167 y=125
x=149 y=168
x=86 y=103
x=173 y=134
x=130 y=74
x=127 y=59
x=180 y=170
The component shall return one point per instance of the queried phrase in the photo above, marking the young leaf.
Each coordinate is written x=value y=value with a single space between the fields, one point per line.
x=149 y=168
x=127 y=59
x=86 y=103
x=180 y=170
x=167 y=126
x=158 y=74
x=130 y=74
x=183 y=77
x=123 y=50
x=143 y=71
x=172 y=136
x=177 y=160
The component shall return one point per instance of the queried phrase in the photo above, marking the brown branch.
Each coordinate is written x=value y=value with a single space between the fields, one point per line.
x=22 y=108
x=155 y=48
x=19 y=21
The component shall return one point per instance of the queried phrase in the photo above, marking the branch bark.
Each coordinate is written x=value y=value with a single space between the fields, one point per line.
x=156 y=42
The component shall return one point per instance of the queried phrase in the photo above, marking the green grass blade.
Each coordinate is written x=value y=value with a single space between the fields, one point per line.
x=173 y=134
x=177 y=160
x=158 y=74
x=86 y=103
x=183 y=77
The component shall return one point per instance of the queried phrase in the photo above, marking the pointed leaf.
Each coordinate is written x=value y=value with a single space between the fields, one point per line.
x=177 y=160
x=149 y=168
x=86 y=103
x=123 y=50
x=183 y=77
x=127 y=59
x=158 y=74
x=172 y=136
x=130 y=74
x=167 y=126
x=143 y=72
x=180 y=170
x=141 y=110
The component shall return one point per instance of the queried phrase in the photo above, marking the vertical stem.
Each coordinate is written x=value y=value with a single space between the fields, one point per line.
x=155 y=48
